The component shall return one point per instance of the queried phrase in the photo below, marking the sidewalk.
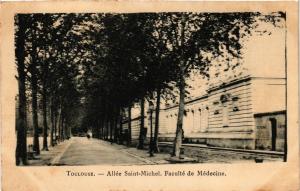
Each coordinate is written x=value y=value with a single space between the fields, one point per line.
x=57 y=155
x=158 y=158
x=48 y=157
x=199 y=153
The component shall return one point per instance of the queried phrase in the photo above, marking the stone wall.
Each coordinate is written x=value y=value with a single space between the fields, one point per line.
x=270 y=131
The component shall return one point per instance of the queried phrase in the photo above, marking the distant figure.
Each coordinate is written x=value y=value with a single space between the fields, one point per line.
x=89 y=134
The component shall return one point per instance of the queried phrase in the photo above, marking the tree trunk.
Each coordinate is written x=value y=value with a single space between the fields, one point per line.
x=36 y=144
x=181 y=85
x=142 y=125
x=59 y=126
x=179 y=129
x=45 y=124
x=61 y=130
x=156 y=130
x=111 y=126
x=96 y=129
x=116 y=131
x=21 y=126
x=106 y=128
x=69 y=131
x=66 y=130
x=121 y=127
x=21 y=150
x=52 y=123
x=55 y=127
x=129 y=126
x=102 y=128
x=116 y=136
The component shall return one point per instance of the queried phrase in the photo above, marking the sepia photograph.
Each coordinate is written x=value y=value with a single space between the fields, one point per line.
x=150 y=88
x=149 y=96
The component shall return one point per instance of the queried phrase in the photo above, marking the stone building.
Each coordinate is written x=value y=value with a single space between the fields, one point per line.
x=243 y=106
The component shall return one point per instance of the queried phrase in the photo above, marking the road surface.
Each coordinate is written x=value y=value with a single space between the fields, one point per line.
x=84 y=151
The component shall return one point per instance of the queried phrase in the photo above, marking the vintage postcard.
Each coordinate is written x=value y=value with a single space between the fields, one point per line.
x=149 y=95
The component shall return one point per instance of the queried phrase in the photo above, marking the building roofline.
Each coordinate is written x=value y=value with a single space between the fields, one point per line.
x=189 y=101
x=220 y=86
x=133 y=119
x=227 y=84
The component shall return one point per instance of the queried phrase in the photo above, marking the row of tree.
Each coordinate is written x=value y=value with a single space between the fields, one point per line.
x=104 y=63
x=47 y=64
x=147 y=56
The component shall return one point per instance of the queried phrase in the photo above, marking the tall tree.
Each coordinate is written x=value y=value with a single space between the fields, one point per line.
x=34 y=90
x=192 y=37
x=195 y=39
x=142 y=125
x=33 y=70
x=21 y=126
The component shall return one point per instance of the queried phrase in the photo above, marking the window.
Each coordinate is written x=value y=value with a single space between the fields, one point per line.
x=235 y=103
x=224 y=100
x=215 y=106
x=200 y=119
x=205 y=116
x=185 y=113
x=225 y=115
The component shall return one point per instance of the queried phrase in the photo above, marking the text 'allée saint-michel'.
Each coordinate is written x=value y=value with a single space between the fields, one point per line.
x=115 y=173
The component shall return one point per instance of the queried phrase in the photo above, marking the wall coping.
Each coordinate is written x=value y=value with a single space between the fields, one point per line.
x=269 y=113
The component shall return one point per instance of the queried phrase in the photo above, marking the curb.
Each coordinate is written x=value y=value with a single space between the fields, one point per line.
x=55 y=160
x=139 y=157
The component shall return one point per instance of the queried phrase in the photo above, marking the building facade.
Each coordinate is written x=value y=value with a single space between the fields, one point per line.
x=241 y=107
